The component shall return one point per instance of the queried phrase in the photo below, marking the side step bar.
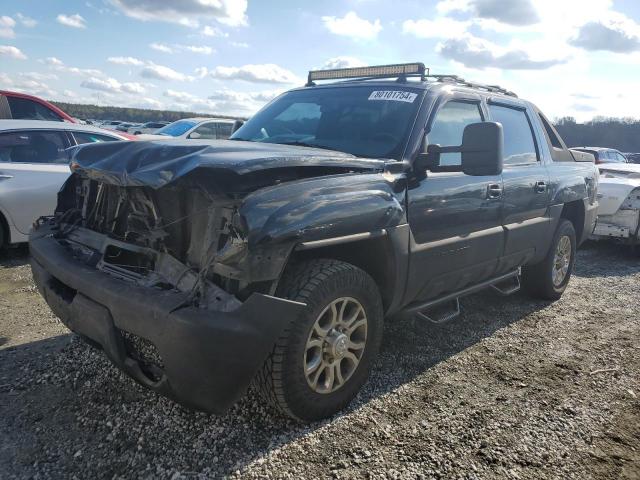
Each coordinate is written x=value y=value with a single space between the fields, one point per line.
x=506 y=284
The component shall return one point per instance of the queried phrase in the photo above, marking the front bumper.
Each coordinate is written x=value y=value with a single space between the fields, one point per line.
x=208 y=358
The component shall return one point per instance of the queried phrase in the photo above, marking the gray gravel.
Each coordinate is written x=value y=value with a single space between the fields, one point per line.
x=512 y=389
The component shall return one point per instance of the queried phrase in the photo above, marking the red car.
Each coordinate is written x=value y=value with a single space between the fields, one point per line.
x=20 y=106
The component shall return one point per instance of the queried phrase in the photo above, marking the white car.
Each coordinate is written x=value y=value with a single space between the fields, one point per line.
x=149 y=127
x=34 y=163
x=195 y=128
x=618 y=202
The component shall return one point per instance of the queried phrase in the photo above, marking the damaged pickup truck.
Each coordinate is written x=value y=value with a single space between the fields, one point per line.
x=273 y=257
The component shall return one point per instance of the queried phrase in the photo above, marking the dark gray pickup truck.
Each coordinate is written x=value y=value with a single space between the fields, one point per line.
x=201 y=266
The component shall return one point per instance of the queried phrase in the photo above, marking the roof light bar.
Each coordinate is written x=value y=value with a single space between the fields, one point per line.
x=382 y=71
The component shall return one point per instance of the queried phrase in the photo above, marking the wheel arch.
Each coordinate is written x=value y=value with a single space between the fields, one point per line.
x=575 y=213
x=379 y=257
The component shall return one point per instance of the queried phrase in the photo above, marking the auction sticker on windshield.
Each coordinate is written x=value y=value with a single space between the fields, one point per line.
x=394 y=95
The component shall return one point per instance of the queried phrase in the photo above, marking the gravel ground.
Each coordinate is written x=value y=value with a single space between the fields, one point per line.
x=512 y=389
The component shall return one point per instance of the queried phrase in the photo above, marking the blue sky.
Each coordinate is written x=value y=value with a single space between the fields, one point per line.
x=570 y=57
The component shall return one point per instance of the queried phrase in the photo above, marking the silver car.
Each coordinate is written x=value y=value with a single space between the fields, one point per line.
x=33 y=166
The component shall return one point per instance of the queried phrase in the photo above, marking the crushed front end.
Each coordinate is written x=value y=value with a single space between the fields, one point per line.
x=161 y=281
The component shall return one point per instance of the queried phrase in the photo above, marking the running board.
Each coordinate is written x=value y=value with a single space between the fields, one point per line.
x=513 y=285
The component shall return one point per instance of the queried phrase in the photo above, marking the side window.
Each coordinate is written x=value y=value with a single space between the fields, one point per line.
x=551 y=134
x=519 y=146
x=224 y=130
x=89 y=137
x=206 y=131
x=33 y=147
x=24 y=109
x=620 y=158
x=448 y=126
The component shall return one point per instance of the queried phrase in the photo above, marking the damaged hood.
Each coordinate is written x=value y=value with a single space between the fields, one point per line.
x=158 y=163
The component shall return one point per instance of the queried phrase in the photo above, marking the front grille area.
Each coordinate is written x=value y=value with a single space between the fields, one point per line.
x=145 y=353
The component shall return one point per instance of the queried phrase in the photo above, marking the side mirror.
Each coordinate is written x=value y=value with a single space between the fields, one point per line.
x=481 y=152
x=236 y=126
x=195 y=135
x=482 y=149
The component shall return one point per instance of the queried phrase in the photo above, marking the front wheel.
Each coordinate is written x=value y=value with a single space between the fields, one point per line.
x=324 y=356
x=548 y=279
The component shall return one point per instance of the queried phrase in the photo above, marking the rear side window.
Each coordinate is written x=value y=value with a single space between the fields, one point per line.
x=33 y=147
x=551 y=135
x=519 y=146
x=225 y=130
x=24 y=109
x=448 y=126
x=206 y=131
x=89 y=137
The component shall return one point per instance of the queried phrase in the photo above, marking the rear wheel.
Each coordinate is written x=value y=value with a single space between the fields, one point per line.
x=548 y=279
x=324 y=356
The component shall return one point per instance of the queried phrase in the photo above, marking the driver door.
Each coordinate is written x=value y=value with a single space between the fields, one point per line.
x=455 y=219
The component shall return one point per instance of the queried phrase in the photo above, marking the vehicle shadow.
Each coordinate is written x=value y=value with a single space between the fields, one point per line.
x=72 y=398
x=14 y=256
x=607 y=259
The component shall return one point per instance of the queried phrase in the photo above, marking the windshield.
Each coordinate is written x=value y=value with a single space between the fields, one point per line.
x=366 y=121
x=176 y=129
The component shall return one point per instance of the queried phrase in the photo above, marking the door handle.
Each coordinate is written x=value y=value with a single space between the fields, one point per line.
x=494 y=190
x=5 y=177
x=541 y=187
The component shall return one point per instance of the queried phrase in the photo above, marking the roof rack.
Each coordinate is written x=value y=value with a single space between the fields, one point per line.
x=461 y=81
x=399 y=70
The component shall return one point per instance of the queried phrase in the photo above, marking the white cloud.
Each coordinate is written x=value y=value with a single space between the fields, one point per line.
x=75 y=21
x=104 y=85
x=615 y=33
x=511 y=12
x=199 y=49
x=53 y=61
x=12 y=52
x=164 y=48
x=180 y=96
x=161 y=47
x=29 y=82
x=478 y=53
x=201 y=72
x=263 y=73
x=239 y=44
x=440 y=27
x=133 y=87
x=342 y=62
x=125 y=61
x=351 y=25
x=26 y=21
x=160 y=72
x=6 y=27
x=209 y=31
x=185 y=12
x=111 y=85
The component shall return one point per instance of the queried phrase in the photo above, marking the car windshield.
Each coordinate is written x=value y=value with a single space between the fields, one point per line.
x=366 y=121
x=176 y=129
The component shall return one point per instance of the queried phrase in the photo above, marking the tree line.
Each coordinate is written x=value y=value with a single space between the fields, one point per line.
x=620 y=133
x=126 y=114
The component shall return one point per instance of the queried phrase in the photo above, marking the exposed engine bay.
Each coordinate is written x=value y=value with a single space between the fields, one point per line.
x=184 y=239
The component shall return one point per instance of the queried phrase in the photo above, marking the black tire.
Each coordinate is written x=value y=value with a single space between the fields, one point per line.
x=537 y=280
x=282 y=379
